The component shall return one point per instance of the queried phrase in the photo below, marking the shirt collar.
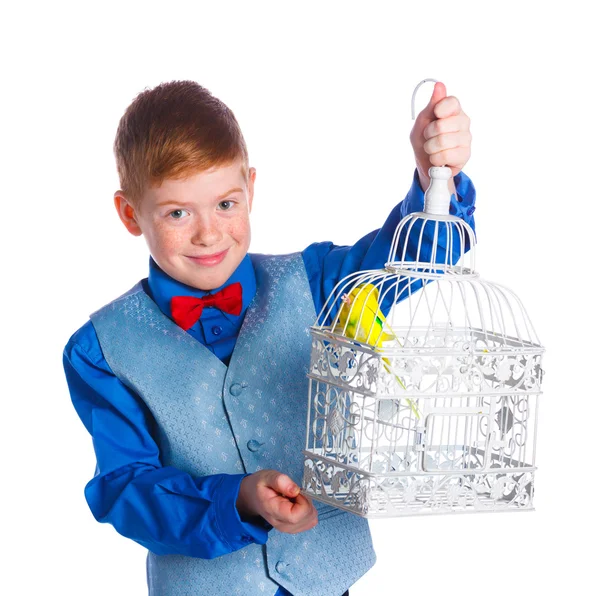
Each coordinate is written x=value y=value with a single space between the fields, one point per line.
x=163 y=287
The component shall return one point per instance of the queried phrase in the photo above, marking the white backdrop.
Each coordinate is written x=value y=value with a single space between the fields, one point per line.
x=322 y=92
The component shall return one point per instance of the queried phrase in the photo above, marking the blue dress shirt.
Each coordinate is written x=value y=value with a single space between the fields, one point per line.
x=122 y=428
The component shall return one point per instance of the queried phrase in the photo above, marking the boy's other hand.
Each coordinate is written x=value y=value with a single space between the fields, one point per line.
x=277 y=499
x=440 y=135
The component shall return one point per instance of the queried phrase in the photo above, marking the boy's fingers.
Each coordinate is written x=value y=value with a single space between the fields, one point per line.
x=456 y=157
x=281 y=512
x=297 y=518
x=450 y=124
x=302 y=510
x=448 y=106
x=295 y=528
x=447 y=141
x=293 y=512
x=304 y=501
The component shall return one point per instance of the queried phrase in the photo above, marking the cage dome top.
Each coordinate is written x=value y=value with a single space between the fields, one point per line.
x=433 y=242
x=428 y=294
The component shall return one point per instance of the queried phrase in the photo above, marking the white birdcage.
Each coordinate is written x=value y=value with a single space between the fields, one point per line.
x=433 y=408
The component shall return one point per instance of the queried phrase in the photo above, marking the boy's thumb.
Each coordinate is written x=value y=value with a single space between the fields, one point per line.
x=286 y=486
x=439 y=92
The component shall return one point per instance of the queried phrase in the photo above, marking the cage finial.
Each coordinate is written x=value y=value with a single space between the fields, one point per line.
x=437 y=195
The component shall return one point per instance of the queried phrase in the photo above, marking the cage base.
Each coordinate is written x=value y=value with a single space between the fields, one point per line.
x=374 y=496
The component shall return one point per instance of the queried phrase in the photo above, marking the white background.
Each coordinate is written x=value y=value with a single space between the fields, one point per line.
x=322 y=92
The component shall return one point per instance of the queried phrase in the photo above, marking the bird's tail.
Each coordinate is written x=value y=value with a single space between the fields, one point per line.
x=386 y=363
x=413 y=405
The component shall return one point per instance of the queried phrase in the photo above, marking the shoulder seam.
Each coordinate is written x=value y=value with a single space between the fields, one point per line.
x=96 y=361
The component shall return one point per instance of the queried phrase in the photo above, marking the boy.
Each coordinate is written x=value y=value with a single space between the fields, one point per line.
x=193 y=383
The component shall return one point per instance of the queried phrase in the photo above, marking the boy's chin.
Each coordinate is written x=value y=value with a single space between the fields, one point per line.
x=209 y=281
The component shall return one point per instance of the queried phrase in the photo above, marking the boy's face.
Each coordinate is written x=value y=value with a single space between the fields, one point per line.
x=197 y=228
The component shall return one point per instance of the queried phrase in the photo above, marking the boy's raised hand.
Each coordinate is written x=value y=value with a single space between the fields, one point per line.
x=277 y=499
x=440 y=135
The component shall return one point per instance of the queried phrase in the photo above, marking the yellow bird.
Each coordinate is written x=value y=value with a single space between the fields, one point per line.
x=361 y=319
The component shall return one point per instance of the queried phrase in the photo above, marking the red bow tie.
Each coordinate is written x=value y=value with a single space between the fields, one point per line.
x=186 y=310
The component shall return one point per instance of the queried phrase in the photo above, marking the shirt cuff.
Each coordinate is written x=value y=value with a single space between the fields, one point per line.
x=415 y=199
x=234 y=531
x=463 y=204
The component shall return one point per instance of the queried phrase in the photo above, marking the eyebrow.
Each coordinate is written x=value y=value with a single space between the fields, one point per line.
x=229 y=192
x=175 y=202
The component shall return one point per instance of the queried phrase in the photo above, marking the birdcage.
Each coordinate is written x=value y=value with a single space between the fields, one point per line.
x=424 y=381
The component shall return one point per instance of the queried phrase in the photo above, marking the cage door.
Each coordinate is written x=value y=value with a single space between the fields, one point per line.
x=455 y=438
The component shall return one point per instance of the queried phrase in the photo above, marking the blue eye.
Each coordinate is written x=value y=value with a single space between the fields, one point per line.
x=226 y=205
x=178 y=214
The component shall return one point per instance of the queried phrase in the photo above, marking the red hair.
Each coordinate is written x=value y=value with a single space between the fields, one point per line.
x=172 y=131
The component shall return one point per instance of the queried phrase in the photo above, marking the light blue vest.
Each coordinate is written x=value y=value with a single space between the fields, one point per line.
x=243 y=418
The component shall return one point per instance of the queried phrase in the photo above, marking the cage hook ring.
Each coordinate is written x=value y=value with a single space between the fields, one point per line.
x=412 y=101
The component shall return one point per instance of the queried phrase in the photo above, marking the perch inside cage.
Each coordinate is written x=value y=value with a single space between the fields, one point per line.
x=424 y=380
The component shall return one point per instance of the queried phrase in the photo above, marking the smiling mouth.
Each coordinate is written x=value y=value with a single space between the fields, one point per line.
x=209 y=260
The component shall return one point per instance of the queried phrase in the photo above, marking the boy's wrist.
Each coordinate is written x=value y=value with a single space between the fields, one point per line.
x=423 y=179
x=243 y=501
x=237 y=530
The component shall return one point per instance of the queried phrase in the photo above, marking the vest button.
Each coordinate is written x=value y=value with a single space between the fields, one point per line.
x=280 y=566
x=236 y=389
x=217 y=329
x=254 y=445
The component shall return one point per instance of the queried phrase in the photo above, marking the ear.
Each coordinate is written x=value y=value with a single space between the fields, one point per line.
x=251 y=179
x=127 y=214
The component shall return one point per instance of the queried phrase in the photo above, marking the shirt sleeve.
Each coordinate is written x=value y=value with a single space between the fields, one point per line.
x=326 y=264
x=162 y=508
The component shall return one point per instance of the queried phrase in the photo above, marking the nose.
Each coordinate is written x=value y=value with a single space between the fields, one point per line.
x=207 y=231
